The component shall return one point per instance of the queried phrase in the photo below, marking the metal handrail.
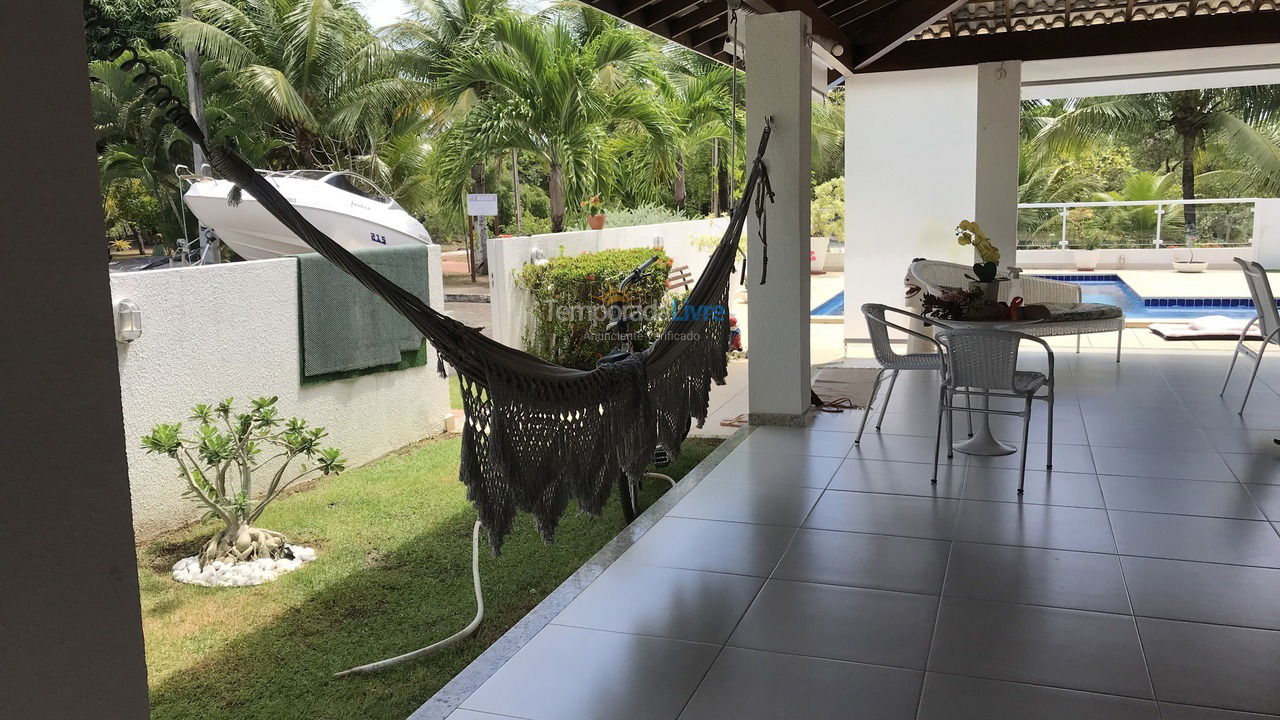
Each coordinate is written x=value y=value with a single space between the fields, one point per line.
x=1065 y=207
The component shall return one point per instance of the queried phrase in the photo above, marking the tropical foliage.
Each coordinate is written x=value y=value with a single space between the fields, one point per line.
x=1159 y=146
x=458 y=96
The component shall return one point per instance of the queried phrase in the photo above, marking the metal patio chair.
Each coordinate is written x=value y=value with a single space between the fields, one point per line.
x=984 y=363
x=1264 y=301
x=891 y=361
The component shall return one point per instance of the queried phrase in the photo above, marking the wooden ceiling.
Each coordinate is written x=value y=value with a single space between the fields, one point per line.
x=880 y=35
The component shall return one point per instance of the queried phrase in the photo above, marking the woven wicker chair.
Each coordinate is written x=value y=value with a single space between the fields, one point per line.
x=893 y=362
x=933 y=275
x=984 y=363
x=1268 y=318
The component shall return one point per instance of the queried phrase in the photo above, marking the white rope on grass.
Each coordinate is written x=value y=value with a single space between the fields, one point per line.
x=447 y=642
x=660 y=476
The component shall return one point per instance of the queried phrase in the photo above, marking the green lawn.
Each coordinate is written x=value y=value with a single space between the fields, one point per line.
x=393 y=575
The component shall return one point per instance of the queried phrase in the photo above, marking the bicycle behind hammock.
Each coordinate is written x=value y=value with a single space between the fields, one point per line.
x=620 y=323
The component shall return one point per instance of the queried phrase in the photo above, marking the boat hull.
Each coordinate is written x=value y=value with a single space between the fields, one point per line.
x=353 y=222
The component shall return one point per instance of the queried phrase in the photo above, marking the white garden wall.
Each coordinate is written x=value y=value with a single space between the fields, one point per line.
x=509 y=304
x=233 y=330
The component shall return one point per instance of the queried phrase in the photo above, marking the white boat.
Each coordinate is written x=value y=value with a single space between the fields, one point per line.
x=342 y=205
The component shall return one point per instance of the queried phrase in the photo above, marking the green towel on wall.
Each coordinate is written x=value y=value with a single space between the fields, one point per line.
x=345 y=326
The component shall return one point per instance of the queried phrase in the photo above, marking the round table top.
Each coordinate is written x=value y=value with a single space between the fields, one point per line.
x=988 y=324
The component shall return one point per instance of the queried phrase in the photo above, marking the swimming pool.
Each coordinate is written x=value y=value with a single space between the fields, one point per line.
x=1110 y=289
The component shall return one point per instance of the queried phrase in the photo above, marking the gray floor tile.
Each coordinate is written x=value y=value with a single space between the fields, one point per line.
x=1239 y=440
x=1268 y=498
x=899 y=478
x=1140 y=436
x=950 y=697
x=1041 y=488
x=1185 y=537
x=567 y=673
x=1263 y=469
x=1204 y=592
x=901 y=448
x=1145 y=462
x=882 y=562
x=713 y=545
x=664 y=602
x=884 y=514
x=1213 y=665
x=777 y=469
x=1170 y=711
x=748 y=502
x=797 y=441
x=1032 y=576
x=839 y=623
x=1179 y=497
x=1096 y=652
x=1066 y=458
x=772 y=686
x=1045 y=526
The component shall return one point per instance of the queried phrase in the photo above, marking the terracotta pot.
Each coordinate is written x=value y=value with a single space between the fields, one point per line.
x=596 y=222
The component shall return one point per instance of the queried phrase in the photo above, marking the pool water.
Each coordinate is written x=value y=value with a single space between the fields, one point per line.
x=1114 y=291
x=1117 y=292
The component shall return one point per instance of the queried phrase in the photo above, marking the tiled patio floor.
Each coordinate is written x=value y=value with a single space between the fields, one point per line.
x=806 y=577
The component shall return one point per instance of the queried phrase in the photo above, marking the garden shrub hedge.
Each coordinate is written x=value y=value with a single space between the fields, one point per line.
x=570 y=295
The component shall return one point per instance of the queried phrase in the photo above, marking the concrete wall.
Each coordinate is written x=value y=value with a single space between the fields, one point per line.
x=509 y=304
x=912 y=171
x=233 y=330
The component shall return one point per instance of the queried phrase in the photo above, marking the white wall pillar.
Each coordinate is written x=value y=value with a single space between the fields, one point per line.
x=999 y=112
x=779 y=75
x=1266 y=233
x=925 y=149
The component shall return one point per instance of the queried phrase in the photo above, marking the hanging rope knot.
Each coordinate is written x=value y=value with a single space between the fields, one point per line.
x=764 y=190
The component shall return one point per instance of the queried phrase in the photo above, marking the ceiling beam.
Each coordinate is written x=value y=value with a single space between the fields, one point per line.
x=696 y=19
x=821 y=25
x=1199 y=31
x=894 y=26
x=662 y=11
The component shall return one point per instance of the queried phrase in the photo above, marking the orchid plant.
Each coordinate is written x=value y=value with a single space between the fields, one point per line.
x=969 y=233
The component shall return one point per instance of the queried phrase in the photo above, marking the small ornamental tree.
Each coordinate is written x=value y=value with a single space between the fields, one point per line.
x=218 y=462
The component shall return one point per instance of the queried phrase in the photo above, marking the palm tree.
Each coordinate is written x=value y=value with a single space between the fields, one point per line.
x=1231 y=116
x=695 y=92
x=553 y=86
x=310 y=68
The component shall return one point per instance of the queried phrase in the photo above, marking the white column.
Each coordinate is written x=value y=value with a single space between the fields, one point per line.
x=779 y=74
x=999 y=110
x=925 y=149
x=70 y=620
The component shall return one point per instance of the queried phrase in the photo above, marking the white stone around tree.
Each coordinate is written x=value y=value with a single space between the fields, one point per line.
x=240 y=574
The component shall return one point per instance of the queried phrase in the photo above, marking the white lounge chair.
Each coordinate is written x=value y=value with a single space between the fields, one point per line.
x=934 y=275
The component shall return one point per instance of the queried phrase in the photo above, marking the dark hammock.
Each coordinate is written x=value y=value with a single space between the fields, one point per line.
x=536 y=434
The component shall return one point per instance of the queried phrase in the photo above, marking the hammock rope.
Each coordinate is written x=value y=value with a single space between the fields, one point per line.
x=536 y=435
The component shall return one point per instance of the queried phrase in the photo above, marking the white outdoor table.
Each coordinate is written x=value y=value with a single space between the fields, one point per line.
x=983 y=441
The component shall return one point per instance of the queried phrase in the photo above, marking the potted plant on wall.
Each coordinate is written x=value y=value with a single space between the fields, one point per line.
x=1087 y=256
x=218 y=461
x=594 y=207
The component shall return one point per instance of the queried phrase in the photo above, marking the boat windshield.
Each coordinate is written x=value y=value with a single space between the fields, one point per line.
x=357 y=185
